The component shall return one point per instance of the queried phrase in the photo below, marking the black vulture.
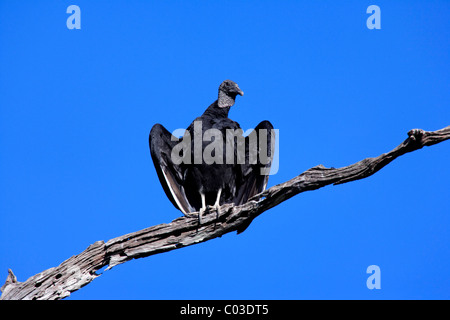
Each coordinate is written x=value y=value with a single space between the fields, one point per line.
x=213 y=163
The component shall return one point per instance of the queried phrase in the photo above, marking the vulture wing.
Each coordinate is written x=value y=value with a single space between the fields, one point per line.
x=170 y=175
x=255 y=171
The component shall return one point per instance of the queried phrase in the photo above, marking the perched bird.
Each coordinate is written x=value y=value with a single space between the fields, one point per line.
x=213 y=163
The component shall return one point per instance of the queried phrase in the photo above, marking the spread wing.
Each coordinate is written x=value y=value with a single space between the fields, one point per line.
x=259 y=147
x=170 y=174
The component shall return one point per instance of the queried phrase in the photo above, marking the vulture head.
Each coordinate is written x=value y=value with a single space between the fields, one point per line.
x=228 y=90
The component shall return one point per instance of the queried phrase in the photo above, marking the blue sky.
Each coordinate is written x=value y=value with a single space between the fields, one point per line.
x=76 y=107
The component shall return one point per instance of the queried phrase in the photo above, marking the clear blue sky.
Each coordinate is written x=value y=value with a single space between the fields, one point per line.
x=76 y=107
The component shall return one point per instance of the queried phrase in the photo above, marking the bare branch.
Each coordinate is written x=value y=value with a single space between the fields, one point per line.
x=79 y=270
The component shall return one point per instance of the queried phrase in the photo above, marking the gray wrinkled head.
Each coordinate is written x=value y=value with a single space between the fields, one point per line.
x=228 y=90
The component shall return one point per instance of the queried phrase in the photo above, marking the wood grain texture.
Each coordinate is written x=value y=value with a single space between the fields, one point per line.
x=81 y=269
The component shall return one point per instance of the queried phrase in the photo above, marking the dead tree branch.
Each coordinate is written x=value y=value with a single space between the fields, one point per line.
x=81 y=269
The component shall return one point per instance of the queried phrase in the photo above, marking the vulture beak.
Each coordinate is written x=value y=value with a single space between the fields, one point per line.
x=240 y=92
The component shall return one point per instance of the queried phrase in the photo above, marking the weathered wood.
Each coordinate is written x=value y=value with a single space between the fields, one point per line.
x=58 y=282
x=79 y=270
